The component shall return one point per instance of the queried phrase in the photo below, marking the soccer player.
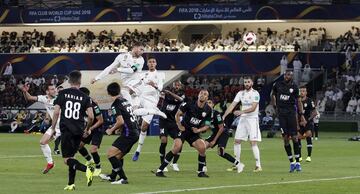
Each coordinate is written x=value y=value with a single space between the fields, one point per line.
x=285 y=95
x=126 y=120
x=73 y=105
x=219 y=136
x=316 y=124
x=129 y=65
x=48 y=101
x=148 y=90
x=95 y=137
x=196 y=119
x=58 y=139
x=171 y=101
x=248 y=126
x=309 y=114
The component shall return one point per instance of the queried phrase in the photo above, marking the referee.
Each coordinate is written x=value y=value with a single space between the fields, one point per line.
x=285 y=95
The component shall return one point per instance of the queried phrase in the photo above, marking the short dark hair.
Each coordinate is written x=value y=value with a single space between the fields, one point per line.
x=48 y=85
x=75 y=77
x=113 y=89
x=151 y=57
x=303 y=86
x=85 y=90
x=137 y=43
x=248 y=77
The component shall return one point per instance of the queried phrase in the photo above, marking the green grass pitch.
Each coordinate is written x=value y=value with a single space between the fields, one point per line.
x=334 y=169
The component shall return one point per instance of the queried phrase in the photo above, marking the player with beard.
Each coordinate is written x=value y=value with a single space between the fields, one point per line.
x=248 y=126
x=309 y=114
x=196 y=119
x=286 y=99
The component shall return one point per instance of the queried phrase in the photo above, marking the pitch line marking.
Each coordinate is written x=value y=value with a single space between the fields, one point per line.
x=252 y=185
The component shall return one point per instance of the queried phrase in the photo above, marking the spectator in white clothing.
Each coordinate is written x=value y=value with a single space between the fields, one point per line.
x=297 y=70
x=8 y=69
x=283 y=64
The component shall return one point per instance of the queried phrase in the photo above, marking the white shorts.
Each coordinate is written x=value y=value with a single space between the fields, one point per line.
x=148 y=105
x=50 y=132
x=248 y=128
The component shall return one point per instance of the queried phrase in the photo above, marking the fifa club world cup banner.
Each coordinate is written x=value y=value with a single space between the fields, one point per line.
x=180 y=13
x=266 y=63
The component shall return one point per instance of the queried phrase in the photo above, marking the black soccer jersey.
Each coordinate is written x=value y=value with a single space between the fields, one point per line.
x=121 y=107
x=216 y=120
x=286 y=97
x=73 y=104
x=171 y=105
x=308 y=107
x=194 y=116
x=96 y=111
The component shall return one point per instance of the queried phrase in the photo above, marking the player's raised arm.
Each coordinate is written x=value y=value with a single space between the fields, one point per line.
x=108 y=70
x=25 y=89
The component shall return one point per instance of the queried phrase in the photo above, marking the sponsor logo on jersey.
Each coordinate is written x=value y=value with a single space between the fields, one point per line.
x=195 y=121
x=170 y=107
x=291 y=90
x=284 y=97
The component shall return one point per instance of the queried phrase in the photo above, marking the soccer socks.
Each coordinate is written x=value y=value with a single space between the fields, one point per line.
x=57 y=142
x=237 y=151
x=162 y=149
x=296 y=151
x=299 y=141
x=309 y=145
x=256 y=153
x=228 y=157
x=289 y=152
x=169 y=156
x=72 y=173
x=45 y=148
x=121 y=171
x=96 y=158
x=142 y=137
x=117 y=166
x=83 y=151
x=73 y=163
x=201 y=162
x=177 y=156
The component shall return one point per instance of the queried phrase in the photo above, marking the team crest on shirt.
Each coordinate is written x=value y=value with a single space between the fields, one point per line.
x=291 y=90
x=305 y=105
x=203 y=114
x=125 y=57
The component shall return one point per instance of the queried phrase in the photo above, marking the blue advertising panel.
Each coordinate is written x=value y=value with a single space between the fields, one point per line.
x=180 y=13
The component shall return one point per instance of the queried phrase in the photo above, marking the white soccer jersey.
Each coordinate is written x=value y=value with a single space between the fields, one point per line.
x=147 y=91
x=125 y=60
x=247 y=98
x=49 y=106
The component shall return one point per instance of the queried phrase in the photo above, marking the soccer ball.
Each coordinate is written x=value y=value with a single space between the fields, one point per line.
x=249 y=38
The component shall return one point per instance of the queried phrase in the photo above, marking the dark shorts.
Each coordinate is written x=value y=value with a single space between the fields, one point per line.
x=69 y=144
x=288 y=125
x=95 y=138
x=168 y=128
x=221 y=141
x=309 y=127
x=189 y=136
x=124 y=144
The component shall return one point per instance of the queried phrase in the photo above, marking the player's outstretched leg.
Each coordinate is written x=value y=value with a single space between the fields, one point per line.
x=147 y=111
x=45 y=148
